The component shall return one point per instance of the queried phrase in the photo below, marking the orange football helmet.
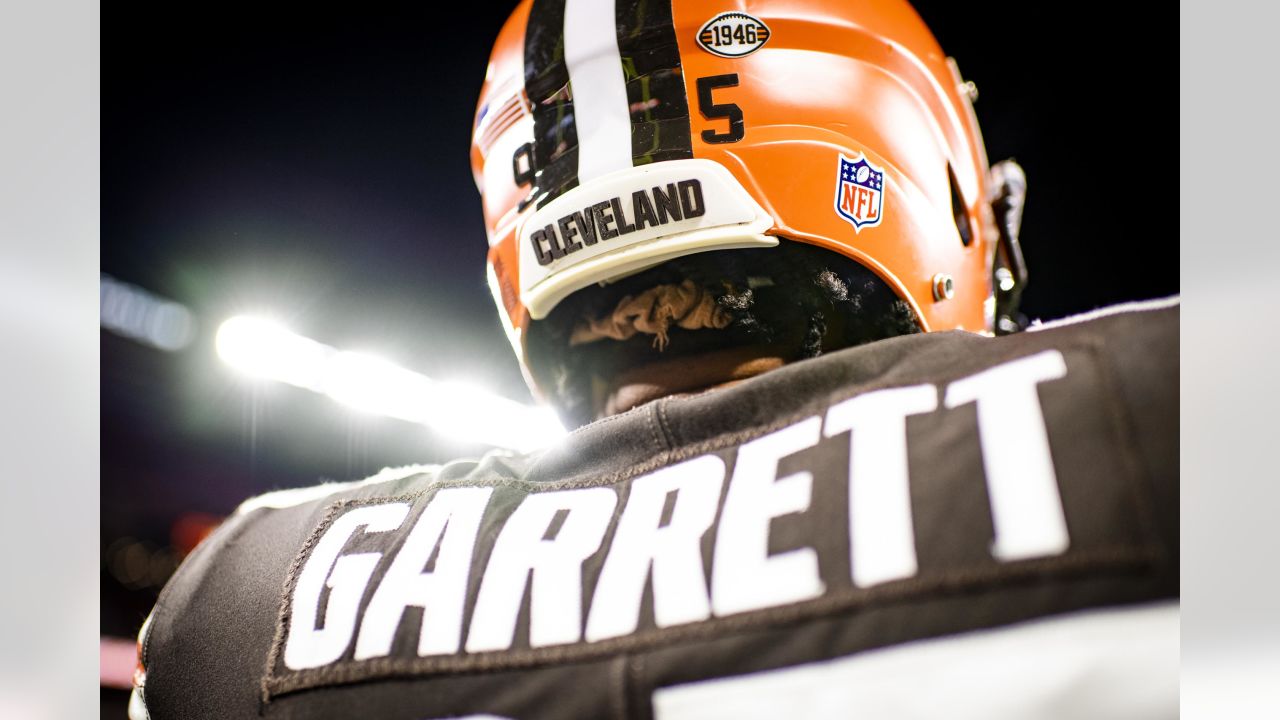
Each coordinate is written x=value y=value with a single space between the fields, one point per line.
x=612 y=136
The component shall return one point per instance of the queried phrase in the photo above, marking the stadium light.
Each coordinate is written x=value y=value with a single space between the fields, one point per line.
x=145 y=317
x=264 y=349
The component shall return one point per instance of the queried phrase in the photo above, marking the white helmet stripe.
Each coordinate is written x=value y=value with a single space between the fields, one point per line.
x=598 y=87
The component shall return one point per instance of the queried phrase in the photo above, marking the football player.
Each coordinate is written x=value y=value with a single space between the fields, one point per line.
x=756 y=255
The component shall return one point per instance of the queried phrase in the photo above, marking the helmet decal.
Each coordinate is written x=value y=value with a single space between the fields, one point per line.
x=733 y=35
x=860 y=192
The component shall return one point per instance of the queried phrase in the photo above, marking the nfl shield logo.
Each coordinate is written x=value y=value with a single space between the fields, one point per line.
x=859 y=192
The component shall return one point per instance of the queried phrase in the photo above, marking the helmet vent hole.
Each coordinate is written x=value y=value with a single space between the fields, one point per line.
x=958 y=210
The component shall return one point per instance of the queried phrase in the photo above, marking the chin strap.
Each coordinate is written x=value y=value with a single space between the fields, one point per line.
x=1009 y=272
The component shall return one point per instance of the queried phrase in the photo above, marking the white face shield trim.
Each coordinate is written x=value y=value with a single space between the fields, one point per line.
x=630 y=220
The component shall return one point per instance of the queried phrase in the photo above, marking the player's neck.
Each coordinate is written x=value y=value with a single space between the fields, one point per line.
x=685 y=375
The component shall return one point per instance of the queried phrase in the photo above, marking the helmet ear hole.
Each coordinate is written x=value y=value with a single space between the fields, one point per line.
x=959 y=212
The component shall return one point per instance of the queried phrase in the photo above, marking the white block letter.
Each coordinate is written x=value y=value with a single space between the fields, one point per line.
x=555 y=603
x=1026 y=508
x=674 y=551
x=744 y=576
x=346 y=577
x=451 y=521
x=881 y=534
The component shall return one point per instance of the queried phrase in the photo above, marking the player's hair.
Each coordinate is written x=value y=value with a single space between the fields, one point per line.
x=801 y=299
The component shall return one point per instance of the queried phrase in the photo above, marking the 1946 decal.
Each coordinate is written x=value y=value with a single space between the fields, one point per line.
x=733 y=35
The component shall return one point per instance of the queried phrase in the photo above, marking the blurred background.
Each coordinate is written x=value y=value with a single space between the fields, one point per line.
x=312 y=167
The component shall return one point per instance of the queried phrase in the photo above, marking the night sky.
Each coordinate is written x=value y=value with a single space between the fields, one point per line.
x=315 y=164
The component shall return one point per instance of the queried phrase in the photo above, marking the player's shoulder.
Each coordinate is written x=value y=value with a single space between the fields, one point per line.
x=233 y=581
x=280 y=520
x=1132 y=345
x=1156 y=313
x=388 y=481
x=1147 y=327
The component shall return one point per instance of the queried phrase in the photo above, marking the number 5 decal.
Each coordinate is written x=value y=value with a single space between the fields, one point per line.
x=710 y=110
